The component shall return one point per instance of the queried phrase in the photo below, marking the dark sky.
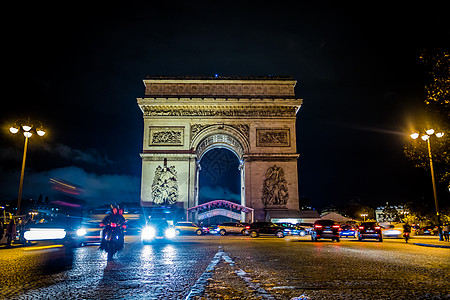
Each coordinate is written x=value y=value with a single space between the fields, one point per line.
x=79 y=70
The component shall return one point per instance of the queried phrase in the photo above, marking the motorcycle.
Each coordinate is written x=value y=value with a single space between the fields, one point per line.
x=113 y=239
x=406 y=236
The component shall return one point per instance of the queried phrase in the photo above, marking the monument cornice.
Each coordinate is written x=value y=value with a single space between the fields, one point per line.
x=220 y=87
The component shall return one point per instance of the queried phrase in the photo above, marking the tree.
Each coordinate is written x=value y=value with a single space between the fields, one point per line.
x=438 y=106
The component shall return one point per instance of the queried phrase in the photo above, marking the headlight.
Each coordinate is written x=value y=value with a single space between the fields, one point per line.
x=35 y=234
x=81 y=232
x=148 y=233
x=170 y=233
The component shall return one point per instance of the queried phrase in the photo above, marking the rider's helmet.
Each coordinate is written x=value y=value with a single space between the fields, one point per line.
x=114 y=209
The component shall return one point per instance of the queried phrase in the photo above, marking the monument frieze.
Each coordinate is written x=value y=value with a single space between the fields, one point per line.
x=219 y=111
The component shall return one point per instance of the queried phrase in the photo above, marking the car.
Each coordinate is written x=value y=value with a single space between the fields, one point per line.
x=325 y=229
x=392 y=231
x=188 y=228
x=231 y=227
x=306 y=226
x=289 y=228
x=157 y=230
x=428 y=230
x=348 y=230
x=88 y=233
x=264 y=228
x=370 y=230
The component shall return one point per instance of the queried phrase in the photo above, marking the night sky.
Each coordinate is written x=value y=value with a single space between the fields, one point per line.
x=79 y=69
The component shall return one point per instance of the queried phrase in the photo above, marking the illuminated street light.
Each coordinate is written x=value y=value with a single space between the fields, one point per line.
x=26 y=126
x=427 y=137
x=364 y=215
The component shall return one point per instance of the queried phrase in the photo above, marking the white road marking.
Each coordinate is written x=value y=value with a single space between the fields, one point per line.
x=199 y=287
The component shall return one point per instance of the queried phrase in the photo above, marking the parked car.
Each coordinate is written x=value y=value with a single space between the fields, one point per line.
x=348 y=230
x=264 y=228
x=188 y=228
x=428 y=230
x=325 y=229
x=232 y=227
x=370 y=230
x=157 y=230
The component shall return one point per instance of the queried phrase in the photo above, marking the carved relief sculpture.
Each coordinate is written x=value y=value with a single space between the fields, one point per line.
x=275 y=191
x=273 y=137
x=165 y=185
x=166 y=136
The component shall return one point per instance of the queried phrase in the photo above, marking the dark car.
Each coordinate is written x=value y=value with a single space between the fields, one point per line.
x=325 y=229
x=157 y=230
x=264 y=228
x=348 y=230
x=370 y=230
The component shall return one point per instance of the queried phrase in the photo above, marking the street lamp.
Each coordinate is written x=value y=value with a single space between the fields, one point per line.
x=426 y=137
x=26 y=126
x=364 y=216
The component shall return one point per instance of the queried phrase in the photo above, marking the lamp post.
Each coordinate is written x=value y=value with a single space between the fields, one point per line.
x=364 y=216
x=26 y=126
x=426 y=137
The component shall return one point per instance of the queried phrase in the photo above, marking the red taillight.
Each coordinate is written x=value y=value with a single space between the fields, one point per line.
x=361 y=227
x=247 y=227
x=335 y=226
x=113 y=225
x=352 y=229
x=377 y=227
x=317 y=226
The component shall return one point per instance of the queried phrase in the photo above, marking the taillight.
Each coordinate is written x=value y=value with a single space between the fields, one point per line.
x=361 y=227
x=317 y=226
x=377 y=227
x=113 y=225
x=247 y=227
x=352 y=229
x=335 y=226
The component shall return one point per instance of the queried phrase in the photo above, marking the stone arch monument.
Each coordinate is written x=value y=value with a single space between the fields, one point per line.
x=253 y=117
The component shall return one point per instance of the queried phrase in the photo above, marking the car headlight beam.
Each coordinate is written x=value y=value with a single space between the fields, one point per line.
x=148 y=233
x=170 y=233
x=81 y=232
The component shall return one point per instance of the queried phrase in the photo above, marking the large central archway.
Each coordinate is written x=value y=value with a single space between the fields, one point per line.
x=254 y=118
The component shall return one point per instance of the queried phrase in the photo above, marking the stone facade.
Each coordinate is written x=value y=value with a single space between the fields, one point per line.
x=252 y=117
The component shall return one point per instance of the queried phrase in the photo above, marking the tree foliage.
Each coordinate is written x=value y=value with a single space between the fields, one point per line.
x=437 y=103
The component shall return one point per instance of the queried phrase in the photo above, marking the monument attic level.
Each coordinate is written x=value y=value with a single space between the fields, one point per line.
x=254 y=117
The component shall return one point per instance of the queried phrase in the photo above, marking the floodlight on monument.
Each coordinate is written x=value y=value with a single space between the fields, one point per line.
x=26 y=126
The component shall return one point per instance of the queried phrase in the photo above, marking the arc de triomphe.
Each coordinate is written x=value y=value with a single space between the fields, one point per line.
x=184 y=117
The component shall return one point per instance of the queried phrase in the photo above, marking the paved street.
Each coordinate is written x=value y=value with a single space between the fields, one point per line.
x=232 y=267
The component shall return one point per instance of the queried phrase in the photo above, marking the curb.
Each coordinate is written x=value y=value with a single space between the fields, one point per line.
x=3 y=246
x=431 y=245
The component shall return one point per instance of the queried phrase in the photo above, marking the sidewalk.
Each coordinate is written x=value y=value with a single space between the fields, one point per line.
x=429 y=241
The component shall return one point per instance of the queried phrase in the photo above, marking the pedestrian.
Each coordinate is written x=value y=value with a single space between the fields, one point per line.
x=10 y=232
x=2 y=229
x=446 y=232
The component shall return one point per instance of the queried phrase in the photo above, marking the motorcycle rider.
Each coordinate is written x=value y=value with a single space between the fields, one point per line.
x=406 y=231
x=115 y=216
